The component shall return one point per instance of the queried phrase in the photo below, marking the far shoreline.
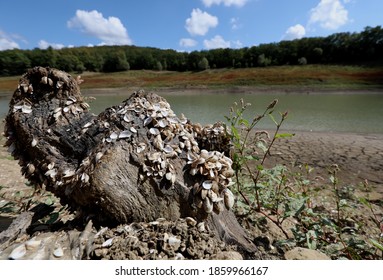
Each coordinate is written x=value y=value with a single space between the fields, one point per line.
x=238 y=90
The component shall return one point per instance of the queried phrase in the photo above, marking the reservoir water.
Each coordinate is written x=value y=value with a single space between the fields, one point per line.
x=357 y=113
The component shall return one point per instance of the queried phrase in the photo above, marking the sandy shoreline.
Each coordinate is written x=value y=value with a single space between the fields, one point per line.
x=359 y=156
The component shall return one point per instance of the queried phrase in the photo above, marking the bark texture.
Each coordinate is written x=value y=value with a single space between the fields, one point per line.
x=136 y=161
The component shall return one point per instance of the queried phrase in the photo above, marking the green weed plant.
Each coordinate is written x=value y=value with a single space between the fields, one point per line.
x=280 y=194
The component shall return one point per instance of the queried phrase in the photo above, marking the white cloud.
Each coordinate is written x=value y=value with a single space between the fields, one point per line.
x=237 y=44
x=295 y=32
x=227 y=3
x=7 y=42
x=329 y=14
x=235 y=23
x=200 y=22
x=44 y=45
x=216 y=42
x=110 y=30
x=188 y=43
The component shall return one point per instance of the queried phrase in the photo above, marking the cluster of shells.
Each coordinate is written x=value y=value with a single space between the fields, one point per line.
x=161 y=239
x=213 y=193
x=32 y=86
x=170 y=137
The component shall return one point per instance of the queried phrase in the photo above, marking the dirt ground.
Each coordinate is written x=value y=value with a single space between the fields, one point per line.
x=359 y=156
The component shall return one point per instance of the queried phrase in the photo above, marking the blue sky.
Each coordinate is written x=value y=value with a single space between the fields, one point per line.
x=183 y=25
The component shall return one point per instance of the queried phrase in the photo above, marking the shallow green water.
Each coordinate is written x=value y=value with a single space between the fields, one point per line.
x=359 y=113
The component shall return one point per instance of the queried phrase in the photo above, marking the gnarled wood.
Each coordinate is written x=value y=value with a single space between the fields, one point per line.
x=136 y=161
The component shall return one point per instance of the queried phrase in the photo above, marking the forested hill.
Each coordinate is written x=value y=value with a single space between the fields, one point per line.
x=364 y=48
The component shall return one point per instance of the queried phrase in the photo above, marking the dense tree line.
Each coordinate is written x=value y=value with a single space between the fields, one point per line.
x=365 y=47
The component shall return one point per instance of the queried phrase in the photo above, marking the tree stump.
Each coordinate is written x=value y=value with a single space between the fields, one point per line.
x=136 y=161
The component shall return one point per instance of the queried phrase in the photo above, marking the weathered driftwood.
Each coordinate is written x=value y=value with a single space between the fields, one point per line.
x=136 y=161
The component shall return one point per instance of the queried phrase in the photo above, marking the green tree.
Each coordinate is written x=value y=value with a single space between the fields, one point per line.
x=47 y=57
x=316 y=56
x=158 y=66
x=69 y=63
x=302 y=61
x=115 y=61
x=203 y=64
x=263 y=60
x=13 y=62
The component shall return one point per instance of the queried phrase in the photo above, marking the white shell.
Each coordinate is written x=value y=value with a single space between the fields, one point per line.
x=113 y=136
x=18 y=252
x=174 y=241
x=44 y=80
x=26 y=109
x=193 y=171
x=58 y=252
x=99 y=156
x=154 y=131
x=107 y=243
x=132 y=129
x=125 y=134
x=59 y=84
x=122 y=111
x=51 y=173
x=162 y=123
x=30 y=89
x=204 y=154
x=173 y=180
x=204 y=194
x=168 y=149
x=158 y=143
x=147 y=121
x=24 y=87
x=190 y=221
x=85 y=178
x=32 y=244
x=127 y=118
x=31 y=168
x=228 y=198
x=207 y=184
x=141 y=147
x=169 y=176
x=69 y=173
x=34 y=142
x=212 y=195
x=88 y=124
x=51 y=165
x=201 y=226
x=207 y=205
